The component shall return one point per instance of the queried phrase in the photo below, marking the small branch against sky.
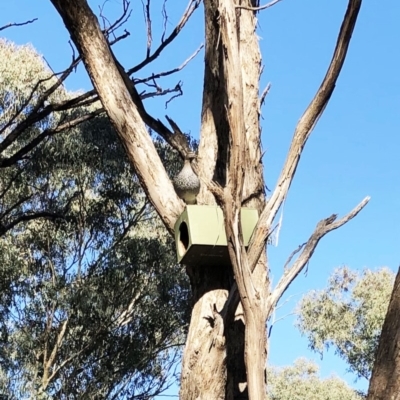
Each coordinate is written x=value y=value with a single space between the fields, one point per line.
x=11 y=24
x=162 y=92
x=268 y=5
x=165 y=19
x=120 y=21
x=179 y=143
x=172 y=71
x=265 y=93
x=190 y=9
x=120 y=37
x=147 y=20
x=323 y=227
x=302 y=132
x=292 y=254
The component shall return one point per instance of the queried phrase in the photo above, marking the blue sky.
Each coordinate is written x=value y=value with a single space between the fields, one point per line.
x=353 y=152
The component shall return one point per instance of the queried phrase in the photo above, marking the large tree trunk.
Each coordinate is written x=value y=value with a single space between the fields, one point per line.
x=385 y=380
x=213 y=364
x=225 y=353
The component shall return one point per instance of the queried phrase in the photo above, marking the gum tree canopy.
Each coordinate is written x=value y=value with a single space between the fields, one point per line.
x=225 y=353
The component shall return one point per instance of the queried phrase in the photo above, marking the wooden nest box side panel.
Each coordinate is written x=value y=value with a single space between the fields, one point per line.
x=200 y=235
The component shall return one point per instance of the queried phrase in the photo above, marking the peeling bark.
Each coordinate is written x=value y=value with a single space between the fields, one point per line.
x=117 y=102
x=225 y=352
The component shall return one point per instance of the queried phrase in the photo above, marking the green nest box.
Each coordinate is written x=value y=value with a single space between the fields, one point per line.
x=200 y=235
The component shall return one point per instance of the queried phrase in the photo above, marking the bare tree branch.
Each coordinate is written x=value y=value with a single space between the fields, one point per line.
x=323 y=227
x=264 y=93
x=177 y=142
x=18 y=24
x=270 y=4
x=118 y=38
x=9 y=139
x=292 y=254
x=125 y=15
x=147 y=20
x=7 y=162
x=192 y=6
x=165 y=19
x=302 y=133
x=170 y=72
x=30 y=217
x=120 y=99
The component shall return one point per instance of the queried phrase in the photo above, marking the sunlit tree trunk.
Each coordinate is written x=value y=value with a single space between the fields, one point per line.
x=385 y=379
x=222 y=373
x=225 y=352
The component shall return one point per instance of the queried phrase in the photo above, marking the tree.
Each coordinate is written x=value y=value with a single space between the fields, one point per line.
x=225 y=349
x=224 y=356
x=92 y=304
x=348 y=315
x=301 y=381
x=385 y=380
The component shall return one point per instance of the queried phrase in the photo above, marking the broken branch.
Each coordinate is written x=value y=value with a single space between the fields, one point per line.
x=302 y=133
x=323 y=227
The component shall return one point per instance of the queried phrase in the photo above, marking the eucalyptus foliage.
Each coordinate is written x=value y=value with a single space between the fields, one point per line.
x=92 y=303
x=348 y=315
x=301 y=381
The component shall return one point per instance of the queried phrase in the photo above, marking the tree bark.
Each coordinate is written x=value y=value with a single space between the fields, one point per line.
x=225 y=353
x=385 y=379
x=214 y=148
x=118 y=103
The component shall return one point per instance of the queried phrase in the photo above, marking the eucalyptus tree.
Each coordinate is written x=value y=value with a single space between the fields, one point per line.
x=348 y=316
x=92 y=302
x=225 y=352
x=300 y=381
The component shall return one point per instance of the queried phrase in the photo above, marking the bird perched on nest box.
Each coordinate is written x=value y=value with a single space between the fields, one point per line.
x=186 y=183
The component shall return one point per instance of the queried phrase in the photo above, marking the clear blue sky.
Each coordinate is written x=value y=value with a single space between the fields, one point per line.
x=353 y=152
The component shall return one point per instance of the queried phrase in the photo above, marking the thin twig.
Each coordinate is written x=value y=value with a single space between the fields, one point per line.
x=165 y=19
x=270 y=4
x=147 y=19
x=190 y=9
x=7 y=162
x=292 y=254
x=172 y=71
x=17 y=24
x=264 y=93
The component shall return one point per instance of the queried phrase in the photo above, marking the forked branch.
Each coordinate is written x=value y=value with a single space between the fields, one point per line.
x=302 y=133
x=323 y=227
x=190 y=9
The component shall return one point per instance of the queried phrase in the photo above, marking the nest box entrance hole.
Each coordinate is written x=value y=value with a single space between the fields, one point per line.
x=183 y=243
